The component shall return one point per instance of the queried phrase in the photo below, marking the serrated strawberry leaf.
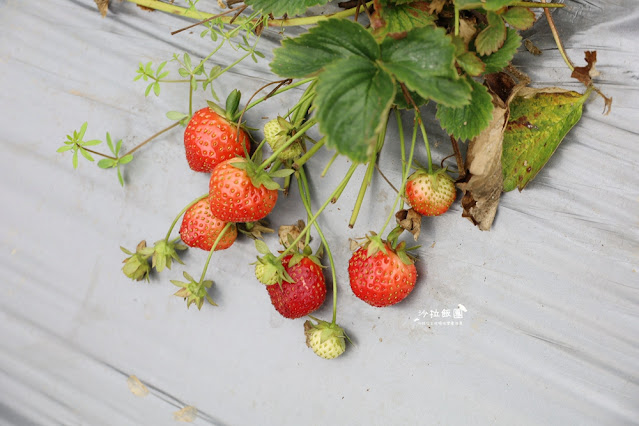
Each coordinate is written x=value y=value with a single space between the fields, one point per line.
x=468 y=121
x=497 y=4
x=470 y=63
x=501 y=58
x=353 y=96
x=491 y=38
x=539 y=120
x=284 y=7
x=424 y=61
x=395 y=19
x=329 y=41
x=519 y=17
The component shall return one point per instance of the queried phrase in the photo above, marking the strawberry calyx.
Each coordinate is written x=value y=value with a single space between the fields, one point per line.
x=136 y=266
x=269 y=269
x=193 y=291
x=258 y=176
x=373 y=244
x=164 y=252
x=254 y=230
x=435 y=176
x=327 y=340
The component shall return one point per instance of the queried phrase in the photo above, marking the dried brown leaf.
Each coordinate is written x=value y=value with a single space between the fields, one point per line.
x=436 y=6
x=186 y=414
x=103 y=6
x=467 y=29
x=585 y=74
x=410 y=221
x=290 y=233
x=136 y=387
x=530 y=46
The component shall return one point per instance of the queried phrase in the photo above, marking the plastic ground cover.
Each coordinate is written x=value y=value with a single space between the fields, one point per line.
x=550 y=330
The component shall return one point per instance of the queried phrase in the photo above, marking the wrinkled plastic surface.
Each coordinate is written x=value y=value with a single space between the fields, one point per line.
x=551 y=327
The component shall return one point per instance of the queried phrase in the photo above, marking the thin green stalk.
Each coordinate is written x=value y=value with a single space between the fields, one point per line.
x=217 y=240
x=456 y=19
x=329 y=164
x=278 y=151
x=278 y=91
x=140 y=145
x=402 y=147
x=480 y=5
x=194 y=14
x=306 y=200
x=304 y=158
x=188 y=206
x=405 y=170
x=190 y=100
x=312 y=220
x=425 y=137
x=368 y=176
x=342 y=187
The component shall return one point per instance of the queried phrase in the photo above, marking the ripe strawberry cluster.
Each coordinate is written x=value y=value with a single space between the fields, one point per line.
x=381 y=272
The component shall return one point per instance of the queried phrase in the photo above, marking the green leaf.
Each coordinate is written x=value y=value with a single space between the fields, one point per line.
x=324 y=44
x=183 y=72
x=156 y=88
x=176 y=115
x=78 y=136
x=283 y=7
x=539 y=120
x=400 y=18
x=106 y=163
x=90 y=143
x=470 y=63
x=187 y=61
x=126 y=159
x=520 y=18
x=491 y=38
x=498 y=4
x=75 y=159
x=282 y=173
x=501 y=58
x=64 y=148
x=110 y=144
x=148 y=89
x=424 y=61
x=120 y=179
x=468 y=121
x=158 y=74
x=118 y=146
x=353 y=97
x=85 y=154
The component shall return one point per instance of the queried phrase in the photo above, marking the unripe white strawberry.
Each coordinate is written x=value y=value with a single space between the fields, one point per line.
x=325 y=339
x=277 y=132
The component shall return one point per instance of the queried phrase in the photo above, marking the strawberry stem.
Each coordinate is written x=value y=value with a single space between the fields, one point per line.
x=277 y=92
x=188 y=206
x=306 y=200
x=402 y=147
x=217 y=240
x=196 y=14
x=312 y=220
x=151 y=138
x=368 y=176
x=297 y=164
x=421 y=127
x=404 y=173
x=329 y=164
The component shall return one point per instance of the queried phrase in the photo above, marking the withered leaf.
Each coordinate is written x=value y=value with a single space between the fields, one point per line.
x=289 y=233
x=539 y=120
x=483 y=187
x=186 y=414
x=585 y=74
x=530 y=46
x=136 y=387
x=410 y=221
x=103 y=6
x=436 y=6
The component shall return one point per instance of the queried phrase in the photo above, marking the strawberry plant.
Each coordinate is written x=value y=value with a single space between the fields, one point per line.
x=361 y=68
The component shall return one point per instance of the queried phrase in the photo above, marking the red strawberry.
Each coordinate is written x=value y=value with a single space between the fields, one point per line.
x=381 y=275
x=304 y=294
x=239 y=193
x=200 y=228
x=210 y=139
x=430 y=194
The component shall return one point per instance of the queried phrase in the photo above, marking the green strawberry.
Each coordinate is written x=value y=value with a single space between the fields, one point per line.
x=136 y=266
x=327 y=340
x=277 y=132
